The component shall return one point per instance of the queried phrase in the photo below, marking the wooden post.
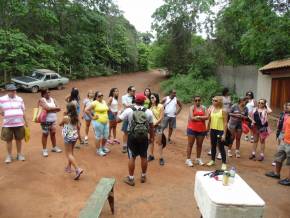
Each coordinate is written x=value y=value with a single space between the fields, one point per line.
x=70 y=69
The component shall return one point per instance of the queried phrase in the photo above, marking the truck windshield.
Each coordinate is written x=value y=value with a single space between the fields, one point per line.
x=37 y=75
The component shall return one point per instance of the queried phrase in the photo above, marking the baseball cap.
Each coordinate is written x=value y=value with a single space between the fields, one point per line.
x=10 y=87
x=140 y=98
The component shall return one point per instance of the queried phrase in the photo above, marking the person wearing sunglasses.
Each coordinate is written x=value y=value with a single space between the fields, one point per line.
x=217 y=125
x=196 y=130
x=49 y=126
x=260 y=128
x=158 y=115
x=100 y=121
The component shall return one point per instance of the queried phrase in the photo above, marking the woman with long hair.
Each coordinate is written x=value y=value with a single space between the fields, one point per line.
x=74 y=98
x=260 y=127
x=158 y=115
x=251 y=105
x=88 y=100
x=196 y=130
x=238 y=113
x=147 y=93
x=100 y=121
x=217 y=125
x=70 y=132
x=49 y=126
x=113 y=111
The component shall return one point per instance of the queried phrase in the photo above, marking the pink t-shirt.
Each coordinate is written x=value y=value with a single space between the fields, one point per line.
x=12 y=110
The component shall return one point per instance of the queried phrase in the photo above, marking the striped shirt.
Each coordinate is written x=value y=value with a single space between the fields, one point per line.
x=13 y=111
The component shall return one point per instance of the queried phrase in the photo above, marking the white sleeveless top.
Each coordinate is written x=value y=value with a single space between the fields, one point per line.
x=170 y=107
x=51 y=116
x=251 y=105
x=114 y=106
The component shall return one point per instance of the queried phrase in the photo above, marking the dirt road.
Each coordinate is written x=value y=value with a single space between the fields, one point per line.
x=39 y=188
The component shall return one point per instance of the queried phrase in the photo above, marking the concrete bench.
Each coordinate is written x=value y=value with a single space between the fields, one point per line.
x=104 y=191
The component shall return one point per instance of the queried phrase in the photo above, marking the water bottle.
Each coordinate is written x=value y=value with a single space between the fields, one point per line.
x=232 y=175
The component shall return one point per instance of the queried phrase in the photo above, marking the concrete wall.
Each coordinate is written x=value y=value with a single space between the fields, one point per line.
x=240 y=79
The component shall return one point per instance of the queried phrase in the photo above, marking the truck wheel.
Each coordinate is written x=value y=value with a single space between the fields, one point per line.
x=34 y=89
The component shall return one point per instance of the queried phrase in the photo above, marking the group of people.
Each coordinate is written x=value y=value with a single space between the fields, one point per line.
x=145 y=114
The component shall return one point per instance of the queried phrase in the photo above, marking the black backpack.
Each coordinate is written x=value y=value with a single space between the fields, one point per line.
x=139 y=127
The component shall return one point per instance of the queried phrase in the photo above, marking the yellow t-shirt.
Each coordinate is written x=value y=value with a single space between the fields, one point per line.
x=101 y=109
x=217 y=120
x=156 y=110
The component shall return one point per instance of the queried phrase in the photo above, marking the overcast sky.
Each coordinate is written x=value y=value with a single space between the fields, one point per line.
x=139 y=12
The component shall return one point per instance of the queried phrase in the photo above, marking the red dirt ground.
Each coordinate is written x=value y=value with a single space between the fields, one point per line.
x=39 y=187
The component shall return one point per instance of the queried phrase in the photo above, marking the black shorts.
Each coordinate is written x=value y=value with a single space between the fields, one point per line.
x=137 y=147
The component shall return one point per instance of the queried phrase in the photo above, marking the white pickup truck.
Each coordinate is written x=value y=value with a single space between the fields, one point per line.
x=40 y=79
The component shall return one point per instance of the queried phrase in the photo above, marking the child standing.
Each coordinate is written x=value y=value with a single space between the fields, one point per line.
x=70 y=134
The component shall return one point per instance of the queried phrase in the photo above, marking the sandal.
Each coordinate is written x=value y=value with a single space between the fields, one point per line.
x=79 y=171
x=252 y=157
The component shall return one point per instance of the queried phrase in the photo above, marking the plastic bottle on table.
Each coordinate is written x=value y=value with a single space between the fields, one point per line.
x=232 y=175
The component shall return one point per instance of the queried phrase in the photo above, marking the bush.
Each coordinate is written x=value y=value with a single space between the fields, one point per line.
x=188 y=86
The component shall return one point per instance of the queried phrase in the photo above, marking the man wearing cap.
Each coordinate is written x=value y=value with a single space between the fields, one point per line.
x=137 y=147
x=13 y=111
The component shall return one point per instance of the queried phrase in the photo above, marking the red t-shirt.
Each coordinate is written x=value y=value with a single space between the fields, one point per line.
x=198 y=126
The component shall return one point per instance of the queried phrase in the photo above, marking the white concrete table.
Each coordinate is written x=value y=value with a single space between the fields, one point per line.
x=238 y=200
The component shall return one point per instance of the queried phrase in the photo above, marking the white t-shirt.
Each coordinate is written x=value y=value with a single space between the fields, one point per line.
x=51 y=116
x=128 y=115
x=251 y=105
x=114 y=106
x=127 y=100
x=170 y=107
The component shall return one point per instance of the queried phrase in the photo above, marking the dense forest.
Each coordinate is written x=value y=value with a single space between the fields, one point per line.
x=242 y=32
x=85 y=37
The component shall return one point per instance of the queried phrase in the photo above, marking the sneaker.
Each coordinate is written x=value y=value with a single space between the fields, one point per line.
x=161 y=162
x=56 y=149
x=129 y=181
x=224 y=167
x=82 y=141
x=106 y=150
x=211 y=163
x=285 y=182
x=230 y=153
x=169 y=141
x=79 y=172
x=246 y=138
x=116 y=141
x=78 y=146
x=100 y=152
x=189 y=163
x=199 y=162
x=238 y=155
x=273 y=163
x=209 y=153
x=143 y=179
x=261 y=158
x=86 y=141
x=150 y=158
x=8 y=159
x=252 y=157
x=45 y=153
x=124 y=149
x=272 y=175
x=219 y=157
x=252 y=139
x=109 y=142
x=68 y=169
x=20 y=157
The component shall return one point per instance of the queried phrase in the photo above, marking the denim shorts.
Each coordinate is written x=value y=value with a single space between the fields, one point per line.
x=125 y=126
x=193 y=133
x=101 y=130
x=112 y=116
x=169 y=121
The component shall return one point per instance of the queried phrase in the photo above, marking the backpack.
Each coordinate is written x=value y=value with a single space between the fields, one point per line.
x=139 y=126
